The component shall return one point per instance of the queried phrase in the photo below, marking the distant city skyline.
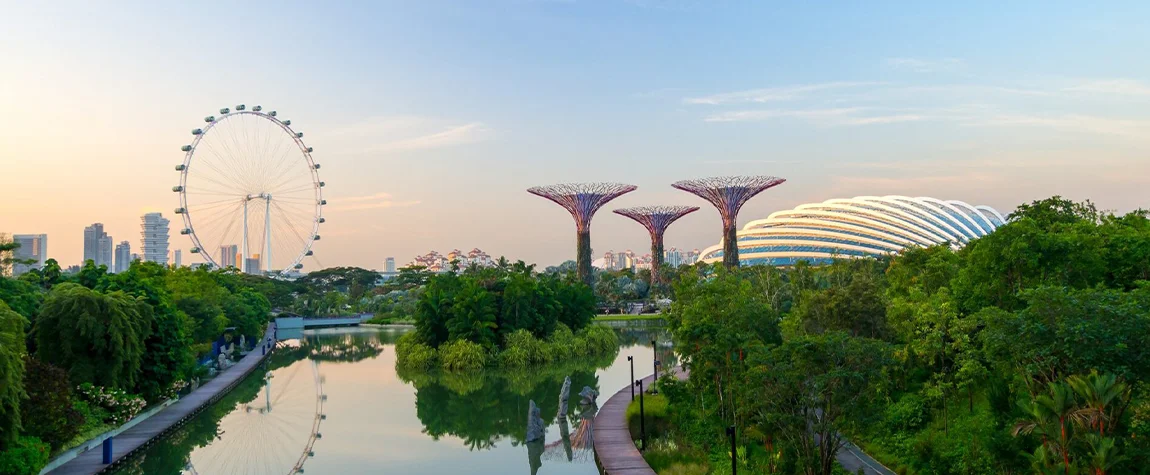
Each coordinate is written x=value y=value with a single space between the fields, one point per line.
x=431 y=119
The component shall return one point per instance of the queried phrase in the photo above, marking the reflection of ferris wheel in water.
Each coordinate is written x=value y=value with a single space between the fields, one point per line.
x=273 y=434
x=251 y=185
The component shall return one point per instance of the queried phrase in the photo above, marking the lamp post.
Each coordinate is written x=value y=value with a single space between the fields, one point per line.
x=655 y=352
x=631 y=360
x=734 y=453
x=642 y=416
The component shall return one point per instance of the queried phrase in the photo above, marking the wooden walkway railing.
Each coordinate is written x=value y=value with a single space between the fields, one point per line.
x=145 y=433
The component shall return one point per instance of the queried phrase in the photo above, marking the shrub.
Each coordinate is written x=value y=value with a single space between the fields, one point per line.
x=121 y=406
x=25 y=457
x=462 y=355
x=908 y=414
x=599 y=339
x=564 y=344
x=47 y=413
x=411 y=353
x=522 y=348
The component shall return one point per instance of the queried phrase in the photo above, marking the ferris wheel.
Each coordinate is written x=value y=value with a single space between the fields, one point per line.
x=250 y=193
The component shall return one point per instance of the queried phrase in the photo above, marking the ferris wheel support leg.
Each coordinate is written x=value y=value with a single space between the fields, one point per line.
x=268 y=230
x=244 y=261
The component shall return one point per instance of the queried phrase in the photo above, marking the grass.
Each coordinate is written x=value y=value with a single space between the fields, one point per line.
x=628 y=318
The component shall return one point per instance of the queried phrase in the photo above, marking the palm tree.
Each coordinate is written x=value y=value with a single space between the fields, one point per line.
x=1051 y=416
x=1098 y=392
x=1103 y=454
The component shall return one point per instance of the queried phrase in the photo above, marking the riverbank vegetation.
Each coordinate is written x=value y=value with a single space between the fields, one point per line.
x=81 y=354
x=1023 y=352
x=507 y=316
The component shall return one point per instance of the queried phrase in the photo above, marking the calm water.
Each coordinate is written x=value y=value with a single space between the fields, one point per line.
x=377 y=421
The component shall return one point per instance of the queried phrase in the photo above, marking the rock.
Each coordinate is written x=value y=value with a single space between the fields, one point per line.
x=589 y=395
x=536 y=429
x=564 y=394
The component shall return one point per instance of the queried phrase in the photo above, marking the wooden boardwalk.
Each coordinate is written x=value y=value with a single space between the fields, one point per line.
x=143 y=434
x=614 y=449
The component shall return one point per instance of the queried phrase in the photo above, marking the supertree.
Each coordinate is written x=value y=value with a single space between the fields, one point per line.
x=582 y=200
x=656 y=219
x=728 y=194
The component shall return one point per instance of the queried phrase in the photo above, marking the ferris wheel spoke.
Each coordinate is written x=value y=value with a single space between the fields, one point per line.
x=230 y=177
x=225 y=162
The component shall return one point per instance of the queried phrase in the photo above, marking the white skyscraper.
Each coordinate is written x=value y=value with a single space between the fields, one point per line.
x=33 y=247
x=154 y=236
x=92 y=235
x=389 y=265
x=178 y=259
x=104 y=252
x=123 y=256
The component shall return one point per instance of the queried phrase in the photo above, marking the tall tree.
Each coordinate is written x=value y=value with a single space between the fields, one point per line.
x=98 y=337
x=11 y=373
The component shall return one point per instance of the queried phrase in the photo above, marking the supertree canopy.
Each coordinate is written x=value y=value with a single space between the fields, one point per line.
x=656 y=219
x=728 y=194
x=582 y=200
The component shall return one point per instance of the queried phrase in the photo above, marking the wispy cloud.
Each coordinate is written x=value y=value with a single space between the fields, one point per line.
x=1122 y=87
x=839 y=116
x=376 y=201
x=1070 y=122
x=770 y=94
x=405 y=133
x=942 y=65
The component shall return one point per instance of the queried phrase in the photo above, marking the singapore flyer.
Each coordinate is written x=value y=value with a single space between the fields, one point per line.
x=250 y=193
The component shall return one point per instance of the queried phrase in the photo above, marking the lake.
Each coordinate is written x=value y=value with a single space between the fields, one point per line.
x=331 y=402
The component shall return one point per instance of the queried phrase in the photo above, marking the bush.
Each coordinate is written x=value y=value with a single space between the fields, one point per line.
x=411 y=353
x=121 y=406
x=564 y=344
x=462 y=355
x=25 y=457
x=522 y=348
x=908 y=414
x=599 y=339
x=47 y=413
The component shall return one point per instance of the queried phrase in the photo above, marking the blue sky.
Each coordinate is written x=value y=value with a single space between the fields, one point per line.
x=431 y=118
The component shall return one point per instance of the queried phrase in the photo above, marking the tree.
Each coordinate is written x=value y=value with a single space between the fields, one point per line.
x=98 y=337
x=858 y=308
x=473 y=315
x=47 y=413
x=11 y=373
x=809 y=389
x=90 y=274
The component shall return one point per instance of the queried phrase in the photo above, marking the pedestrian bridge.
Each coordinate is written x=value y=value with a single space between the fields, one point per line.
x=302 y=322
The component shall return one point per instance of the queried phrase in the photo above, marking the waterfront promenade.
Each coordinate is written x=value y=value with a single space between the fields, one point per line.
x=144 y=433
x=614 y=449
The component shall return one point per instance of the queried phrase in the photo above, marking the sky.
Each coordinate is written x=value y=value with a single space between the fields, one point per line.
x=431 y=118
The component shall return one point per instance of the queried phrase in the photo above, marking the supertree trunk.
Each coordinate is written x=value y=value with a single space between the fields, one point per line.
x=656 y=260
x=730 y=246
x=583 y=256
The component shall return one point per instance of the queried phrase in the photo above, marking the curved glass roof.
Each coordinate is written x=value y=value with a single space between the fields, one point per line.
x=864 y=226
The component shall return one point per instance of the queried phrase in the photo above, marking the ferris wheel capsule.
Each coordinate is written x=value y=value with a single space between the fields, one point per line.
x=322 y=184
x=310 y=150
x=177 y=188
x=272 y=113
x=210 y=118
x=257 y=108
x=197 y=131
x=298 y=266
x=316 y=238
x=321 y=220
x=180 y=167
x=186 y=148
x=185 y=231
x=322 y=202
x=317 y=166
x=225 y=110
x=195 y=250
x=287 y=122
x=240 y=107
x=308 y=253
x=180 y=210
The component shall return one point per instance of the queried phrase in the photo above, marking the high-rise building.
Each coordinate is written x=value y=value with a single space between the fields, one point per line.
x=33 y=247
x=92 y=235
x=135 y=257
x=228 y=256
x=123 y=256
x=178 y=258
x=252 y=264
x=154 y=236
x=104 y=252
x=673 y=257
x=389 y=265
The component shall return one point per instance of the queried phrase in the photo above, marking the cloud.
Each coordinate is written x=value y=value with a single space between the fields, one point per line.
x=926 y=65
x=1122 y=87
x=404 y=133
x=772 y=94
x=844 y=116
x=1131 y=128
x=376 y=201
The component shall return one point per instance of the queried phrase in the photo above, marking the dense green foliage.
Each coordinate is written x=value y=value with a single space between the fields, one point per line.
x=48 y=412
x=506 y=315
x=11 y=373
x=25 y=457
x=1023 y=352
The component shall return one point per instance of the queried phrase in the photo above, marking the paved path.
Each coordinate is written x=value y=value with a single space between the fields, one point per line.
x=617 y=455
x=173 y=416
x=614 y=448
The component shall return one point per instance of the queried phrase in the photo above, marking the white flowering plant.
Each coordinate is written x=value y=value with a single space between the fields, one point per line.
x=121 y=406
